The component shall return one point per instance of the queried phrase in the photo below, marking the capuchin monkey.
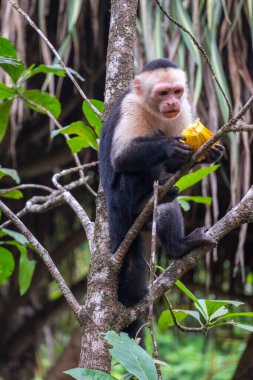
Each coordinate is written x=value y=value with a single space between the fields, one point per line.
x=140 y=143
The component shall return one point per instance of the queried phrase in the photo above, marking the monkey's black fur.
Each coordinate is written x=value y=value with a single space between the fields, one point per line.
x=128 y=183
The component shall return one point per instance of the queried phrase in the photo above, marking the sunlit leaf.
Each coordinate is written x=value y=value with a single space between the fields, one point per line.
x=25 y=273
x=12 y=66
x=13 y=194
x=91 y=116
x=196 y=199
x=7 y=264
x=5 y=108
x=47 y=101
x=166 y=320
x=191 y=179
x=6 y=91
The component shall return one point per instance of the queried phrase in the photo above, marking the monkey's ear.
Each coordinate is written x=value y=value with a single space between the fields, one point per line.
x=137 y=86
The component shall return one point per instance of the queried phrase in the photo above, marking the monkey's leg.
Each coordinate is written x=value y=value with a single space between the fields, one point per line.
x=132 y=278
x=132 y=286
x=170 y=230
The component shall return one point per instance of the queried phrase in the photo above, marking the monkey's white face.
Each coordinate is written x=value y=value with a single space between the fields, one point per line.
x=166 y=97
x=162 y=90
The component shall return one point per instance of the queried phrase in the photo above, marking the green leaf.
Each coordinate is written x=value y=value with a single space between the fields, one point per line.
x=44 y=99
x=20 y=238
x=232 y=315
x=86 y=136
x=7 y=264
x=213 y=305
x=90 y=115
x=192 y=313
x=12 y=66
x=6 y=91
x=7 y=49
x=201 y=307
x=196 y=199
x=25 y=272
x=11 y=173
x=191 y=179
x=165 y=320
x=185 y=205
x=5 y=108
x=241 y=326
x=131 y=356
x=218 y=313
x=76 y=144
x=13 y=194
x=46 y=69
x=186 y=291
x=88 y=374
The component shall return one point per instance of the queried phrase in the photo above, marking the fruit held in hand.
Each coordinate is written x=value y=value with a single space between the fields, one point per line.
x=195 y=135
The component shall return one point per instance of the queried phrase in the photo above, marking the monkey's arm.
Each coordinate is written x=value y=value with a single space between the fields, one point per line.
x=145 y=153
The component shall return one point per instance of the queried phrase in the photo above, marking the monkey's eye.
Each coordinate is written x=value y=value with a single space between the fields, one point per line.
x=178 y=91
x=163 y=93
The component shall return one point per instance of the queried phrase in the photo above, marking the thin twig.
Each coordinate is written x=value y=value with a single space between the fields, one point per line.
x=242 y=128
x=151 y=279
x=43 y=253
x=181 y=327
x=27 y=186
x=51 y=47
x=201 y=49
x=44 y=203
x=76 y=207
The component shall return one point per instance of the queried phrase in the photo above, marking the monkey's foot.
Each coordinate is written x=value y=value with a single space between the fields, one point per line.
x=199 y=237
x=194 y=240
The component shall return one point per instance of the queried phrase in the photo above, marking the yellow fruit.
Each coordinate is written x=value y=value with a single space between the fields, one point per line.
x=196 y=135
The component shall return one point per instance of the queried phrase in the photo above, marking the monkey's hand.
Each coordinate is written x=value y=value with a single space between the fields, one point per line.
x=178 y=153
x=214 y=154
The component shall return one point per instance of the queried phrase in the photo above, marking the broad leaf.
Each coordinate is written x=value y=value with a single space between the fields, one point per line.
x=166 y=320
x=218 y=313
x=7 y=264
x=86 y=136
x=131 y=356
x=12 y=66
x=241 y=326
x=7 y=49
x=49 y=69
x=13 y=194
x=91 y=116
x=196 y=199
x=25 y=272
x=88 y=374
x=5 y=108
x=10 y=172
x=232 y=315
x=185 y=205
x=20 y=238
x=6 y=91
x=43 y=99
x=190 y=179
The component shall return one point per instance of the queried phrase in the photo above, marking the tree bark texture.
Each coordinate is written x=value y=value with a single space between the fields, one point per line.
x=102 y=311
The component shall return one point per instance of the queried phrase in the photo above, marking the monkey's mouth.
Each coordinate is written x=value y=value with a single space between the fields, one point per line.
x=170 y=114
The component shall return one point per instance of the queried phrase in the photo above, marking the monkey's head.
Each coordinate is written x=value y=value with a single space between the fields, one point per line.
x=161 y=86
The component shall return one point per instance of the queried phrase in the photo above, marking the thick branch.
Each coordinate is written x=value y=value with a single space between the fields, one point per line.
x=242 y=213
x=43 y=253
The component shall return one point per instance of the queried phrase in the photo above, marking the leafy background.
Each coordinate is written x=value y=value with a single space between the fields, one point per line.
x=39 y=339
